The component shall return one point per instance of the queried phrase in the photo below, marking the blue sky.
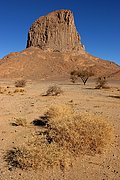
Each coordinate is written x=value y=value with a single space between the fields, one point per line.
x=98 y=23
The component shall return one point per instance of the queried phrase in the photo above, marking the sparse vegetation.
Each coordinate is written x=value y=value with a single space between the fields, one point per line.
x=74 y=76
x=20 y=122
x=18 y=157
x=20 y=83
x=2 y=90
x=101 y=83
x=84 y=134
x=64 y=137
x=53 y=91
x=19 y=91
x=8 y=91
x=83 y=74
x=5 y=90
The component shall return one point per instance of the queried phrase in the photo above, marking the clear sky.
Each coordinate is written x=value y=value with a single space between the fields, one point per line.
x=97 y=21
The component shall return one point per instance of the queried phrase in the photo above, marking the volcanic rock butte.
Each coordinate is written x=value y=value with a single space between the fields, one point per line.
x=53 y=51
x=55 y=32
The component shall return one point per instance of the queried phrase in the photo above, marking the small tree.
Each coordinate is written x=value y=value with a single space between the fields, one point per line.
x=83 y=74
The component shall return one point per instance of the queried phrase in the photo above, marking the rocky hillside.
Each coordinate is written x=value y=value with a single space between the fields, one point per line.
x=53 y=50
x=34 y=63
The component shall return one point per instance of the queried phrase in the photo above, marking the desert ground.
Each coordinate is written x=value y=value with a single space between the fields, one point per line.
x=29 y=104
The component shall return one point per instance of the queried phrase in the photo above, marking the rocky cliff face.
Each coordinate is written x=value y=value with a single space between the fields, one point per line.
x=55 y=32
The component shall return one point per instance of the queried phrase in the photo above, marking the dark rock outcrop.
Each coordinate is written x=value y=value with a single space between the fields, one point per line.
x=55 y=32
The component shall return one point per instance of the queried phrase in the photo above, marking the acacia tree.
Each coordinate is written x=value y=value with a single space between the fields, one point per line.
x=83 y=74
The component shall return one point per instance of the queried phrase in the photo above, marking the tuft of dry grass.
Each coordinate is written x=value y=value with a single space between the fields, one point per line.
x=20 y=83
x=65 y=137
x=53 y=91
x=101 y=82
x=19 y=91
x=2 y=90
x=18 y=157
x=86 y=134
x=60 y=111
x=20 y=122
x=8 y=91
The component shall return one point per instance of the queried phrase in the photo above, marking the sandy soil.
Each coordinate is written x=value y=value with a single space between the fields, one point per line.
x=31 y=104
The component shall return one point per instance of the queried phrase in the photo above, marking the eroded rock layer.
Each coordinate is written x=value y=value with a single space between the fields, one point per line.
x=55 y=32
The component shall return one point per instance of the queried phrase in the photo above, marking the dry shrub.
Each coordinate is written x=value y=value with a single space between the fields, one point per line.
x=2 y=90
x=18 y=157
x=5 y=90
x=86 y=134
x=60 y=111
x=53 y=91
x=101 y=83
x=63 y=138
x=74 y=76
x=20 y=83
x=20 y=122
x=38 y=156
x=19 y=91
x=84 y=74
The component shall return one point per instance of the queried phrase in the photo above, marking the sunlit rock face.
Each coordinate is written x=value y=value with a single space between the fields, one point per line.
x=55 y=32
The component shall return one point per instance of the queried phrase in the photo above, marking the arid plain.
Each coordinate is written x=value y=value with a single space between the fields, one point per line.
x=30 y=104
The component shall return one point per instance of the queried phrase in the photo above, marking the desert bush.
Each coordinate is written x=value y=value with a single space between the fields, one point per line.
x=20 y=122
x=18 y=157
x=65 y=111
x=19 y=91
x=74 y=76
x=101 y=83
x=64 y=137
x=5 y=90
x=53 y=91
x=1 y=90
x=86 y=134
x=20 y=83
x=83 y=74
